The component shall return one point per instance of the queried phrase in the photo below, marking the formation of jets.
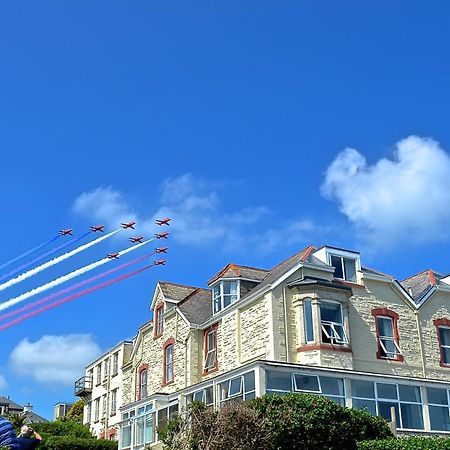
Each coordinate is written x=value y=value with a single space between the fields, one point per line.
x=134 y=240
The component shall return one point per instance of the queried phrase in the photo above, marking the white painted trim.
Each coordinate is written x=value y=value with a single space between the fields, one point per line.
x=183 y=316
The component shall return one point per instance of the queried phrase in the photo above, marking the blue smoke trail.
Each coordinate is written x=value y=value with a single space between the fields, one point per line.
x=34 y=249
x=41 y=257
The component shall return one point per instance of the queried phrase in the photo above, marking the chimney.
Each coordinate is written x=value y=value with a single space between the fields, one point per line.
x=28 y=407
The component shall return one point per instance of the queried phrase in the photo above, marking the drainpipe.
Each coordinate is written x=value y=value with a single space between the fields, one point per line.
x=422 y=352
x=286 y=331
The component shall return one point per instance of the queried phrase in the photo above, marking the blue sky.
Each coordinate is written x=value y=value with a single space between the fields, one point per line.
x=261 y=127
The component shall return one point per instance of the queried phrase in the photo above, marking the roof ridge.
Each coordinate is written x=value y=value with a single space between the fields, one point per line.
x=251 y=267
x=295 y=254
x=179 y=284
x=426 y=271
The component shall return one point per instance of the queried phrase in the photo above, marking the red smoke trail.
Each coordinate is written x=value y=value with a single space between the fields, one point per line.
x=71 y=288
x=72 y=297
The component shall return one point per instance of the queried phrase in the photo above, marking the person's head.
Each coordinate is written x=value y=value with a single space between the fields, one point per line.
x=26 y=431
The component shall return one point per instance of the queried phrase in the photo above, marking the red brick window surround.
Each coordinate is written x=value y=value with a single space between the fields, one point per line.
x=143 y=381
x=159 y=320
x=210 y=349
x=388 y=342
x=168 y=367
x=443 y=333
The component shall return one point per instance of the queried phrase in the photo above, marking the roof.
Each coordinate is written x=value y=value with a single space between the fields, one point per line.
x=197 y=307
x=238 y=271
x=175 y=291
x=285 y=266
x=16 y=408
x=419 y=284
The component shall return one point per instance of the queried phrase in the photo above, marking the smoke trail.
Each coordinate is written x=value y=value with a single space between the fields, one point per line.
x=22 y=255
x=55 y=261
x=73 y=287
x=64 y=278
x=72 y=297
x=41 y=257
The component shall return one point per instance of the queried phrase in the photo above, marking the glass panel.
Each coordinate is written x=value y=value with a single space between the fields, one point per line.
x=278 y=381
x=339 y=400
x=444 y=334
x=139 y=431
x=332 y=386
x=198 y=396
x=368 y=405
x=308 y=383
x=148 y=428
x=409 y=393
x=309 y=330
x=336 y=262
x=389 y=350
x=445 y=355
x=173 y=411
x=350 y=269
x=411 y=416
x=384 y=410
x=209 y=395
x=249 y=382
x=216 y=298
x=363 y=389
x=126 y=435
x=162 y=418
x=330 y=312
x=439 y=418
x=385 y=327
x=235 y=386
x=437 y=396
x=387 y=391
x=250 y=396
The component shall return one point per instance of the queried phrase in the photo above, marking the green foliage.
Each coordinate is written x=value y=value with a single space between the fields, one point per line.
x=63 y=427
x=274 y=422
x=76 y=411
x=307 y=422
x=407 y=443
x=17 y=420
x=72 y=443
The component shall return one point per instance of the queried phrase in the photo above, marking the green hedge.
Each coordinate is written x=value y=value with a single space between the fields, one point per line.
x=66 y=443
x=311 y=422
x=63 y=428
x=407 y=443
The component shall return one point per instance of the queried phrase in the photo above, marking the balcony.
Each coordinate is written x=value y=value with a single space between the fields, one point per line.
x=83 y=386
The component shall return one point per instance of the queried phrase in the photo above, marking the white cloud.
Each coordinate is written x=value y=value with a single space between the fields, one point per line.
x=406 y=198
x=54 y=359
x=199 y=217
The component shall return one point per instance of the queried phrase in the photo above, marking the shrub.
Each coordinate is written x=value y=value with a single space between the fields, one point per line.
x=62 y=427
x=307 y=422
x=72 y=443
x=407 y=443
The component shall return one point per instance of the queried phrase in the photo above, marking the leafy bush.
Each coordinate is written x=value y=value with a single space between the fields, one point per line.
x=407 y=443
x=65 y=443
x=274 y=422
x=304 y=421
x=63 y=427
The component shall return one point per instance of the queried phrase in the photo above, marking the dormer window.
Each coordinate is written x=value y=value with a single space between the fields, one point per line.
x=344 y=268
x=224 y=294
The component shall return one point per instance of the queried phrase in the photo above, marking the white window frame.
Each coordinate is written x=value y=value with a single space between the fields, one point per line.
x=380 y=339
x=159 y=320
x=342 y=257
x=113 y=402
x=97 y=409
x=99 y=373
x=143 y=385
x=296 y=389
x=169 y=364
x=334 y=337
x=115 y=368
x=221 y=296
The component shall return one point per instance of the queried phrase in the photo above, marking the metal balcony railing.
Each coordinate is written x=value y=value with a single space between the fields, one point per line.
x=83 y=386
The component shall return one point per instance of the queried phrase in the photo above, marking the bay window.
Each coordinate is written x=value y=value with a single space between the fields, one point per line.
x=224 y=294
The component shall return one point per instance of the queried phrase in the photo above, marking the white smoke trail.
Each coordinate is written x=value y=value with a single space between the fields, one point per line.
x=54 y=261
x=64 y=278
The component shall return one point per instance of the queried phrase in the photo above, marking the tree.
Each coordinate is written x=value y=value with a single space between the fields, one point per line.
x=76 y=411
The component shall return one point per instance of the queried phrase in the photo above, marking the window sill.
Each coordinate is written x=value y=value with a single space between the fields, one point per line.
x=399 y=358
x=211 y=370
x=329 y=347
